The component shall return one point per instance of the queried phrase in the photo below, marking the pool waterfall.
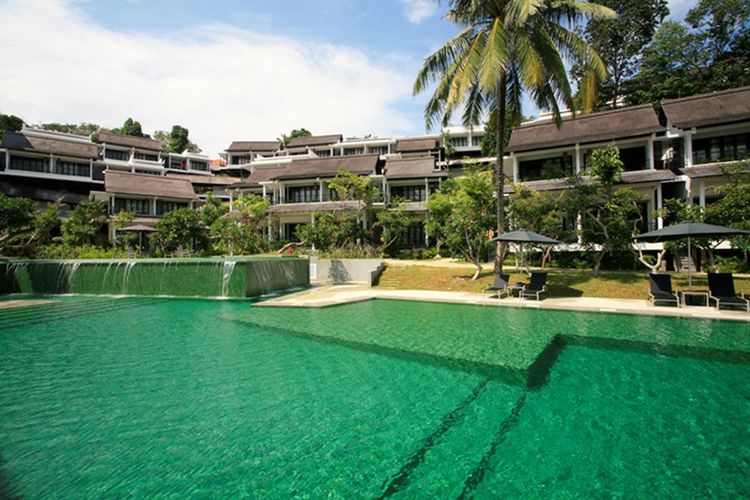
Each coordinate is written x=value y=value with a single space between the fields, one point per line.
x=211 y=277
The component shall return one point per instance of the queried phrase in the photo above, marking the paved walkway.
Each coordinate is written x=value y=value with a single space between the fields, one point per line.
x=11 y=304
x=343 y=294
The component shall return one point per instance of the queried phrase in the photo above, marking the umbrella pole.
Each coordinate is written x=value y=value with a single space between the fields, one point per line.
x=690 y=267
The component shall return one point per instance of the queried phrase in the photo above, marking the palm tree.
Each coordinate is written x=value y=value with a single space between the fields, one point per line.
x=505 y=48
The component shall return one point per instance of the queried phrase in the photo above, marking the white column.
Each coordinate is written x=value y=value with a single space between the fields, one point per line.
x=231 y=199
x=688 y=147
x=650 y=152
x=320 y=191
x=426 y=189
x=659 y=205
x=702 y=193
x=578 y=159
x=153 y=207
x=515 y=167
x=51 y=164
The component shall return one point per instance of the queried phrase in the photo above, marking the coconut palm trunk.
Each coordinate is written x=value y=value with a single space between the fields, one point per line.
x=499 y=174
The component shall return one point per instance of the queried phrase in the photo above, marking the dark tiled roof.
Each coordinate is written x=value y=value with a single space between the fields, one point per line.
x=129 y=141
x=148 y=185
x=635 y=177
x=254 y=146
x=416 y=145
x=261 y=174
x=708 y=170
x=314 y=140
x=708 y=109
x=605 y=126
x=329 y=167
x=410 y=169
x=326 y=206
x=21 y=142
x=214 y=180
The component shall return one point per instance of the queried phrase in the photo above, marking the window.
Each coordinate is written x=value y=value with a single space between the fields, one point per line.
x=546 y=168
x=146 y=156
x=724 y=148
x=147 y=172
x=2 y=161
x=163 y=207
x=177 y=164
x=199 y=165
x=354 y=151
x=63 y=167
x=29 y=164
x=240 y=160
x=459 y=142
x=323 y=153
x=413 y=237
x=410 y=193
x=633 y=158
x=141 y=207
x=379 y=150
x=302 y=194
x=476 y=141
x=116 y=154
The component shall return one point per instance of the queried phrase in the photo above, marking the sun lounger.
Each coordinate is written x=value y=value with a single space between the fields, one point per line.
x=537 y=285
x=660 y=289
x=500 y=286
x=721 y=290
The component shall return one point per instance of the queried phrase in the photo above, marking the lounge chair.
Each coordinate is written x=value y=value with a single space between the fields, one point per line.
x=537 y=285
x=721 y=289
x=660 y=289
x=500 y=286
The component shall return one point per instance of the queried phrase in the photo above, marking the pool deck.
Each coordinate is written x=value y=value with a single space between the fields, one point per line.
x=331 y=295
x=13 y=304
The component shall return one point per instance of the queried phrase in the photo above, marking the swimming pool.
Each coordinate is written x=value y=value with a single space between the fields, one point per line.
x=143 y=397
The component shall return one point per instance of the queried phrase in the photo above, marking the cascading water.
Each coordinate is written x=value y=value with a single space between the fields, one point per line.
x=126 y=277
x=70 y=272
x=226 y=275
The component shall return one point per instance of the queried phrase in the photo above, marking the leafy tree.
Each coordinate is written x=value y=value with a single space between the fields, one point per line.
x=125 y=240
x=536 y=211
x=504 y=48
x=349 y=186
x=9 y=123
x=719 y=23
x=733 y=209
x=47 y=223
x=84 y=223
x=241 y=231
x=322 y=234
x=176 y=141
x=393 y=225
x=608 y=217
x=460 y=215
x=213 y=209
x=297 y=132
x=131 y=127
x=620 y=41
x=178 y=230
x=16 y=224
x=489 y=140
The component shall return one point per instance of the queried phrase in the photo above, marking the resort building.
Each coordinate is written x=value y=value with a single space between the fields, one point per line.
x=677 y=152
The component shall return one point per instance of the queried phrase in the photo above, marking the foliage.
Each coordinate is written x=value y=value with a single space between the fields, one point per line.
x=450 y=151
x=177 y=141
x=460 y=216
x=178 y=231
x=322 y=234
x=733 y=209
x=72 y=128
x=57 y=251
x=84 y=223
x=16 y=224
x=240 y=231
x=212 y=210
x=297 y=132
x=620 y=41
x=489 y=139
x=349 y=186
x=47 y=223
x=606 y=166
x=125 y=239
x=9 y=123
x=536 y=211
x=130 y=127
x=504 y=48
x=393 y=225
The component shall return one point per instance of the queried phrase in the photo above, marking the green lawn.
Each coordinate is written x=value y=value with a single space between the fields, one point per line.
x=573 y=283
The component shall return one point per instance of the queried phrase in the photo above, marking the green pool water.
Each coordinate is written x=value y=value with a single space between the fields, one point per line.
x=190 y=398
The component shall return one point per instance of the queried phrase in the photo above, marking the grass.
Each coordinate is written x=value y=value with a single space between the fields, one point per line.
x=569 y=283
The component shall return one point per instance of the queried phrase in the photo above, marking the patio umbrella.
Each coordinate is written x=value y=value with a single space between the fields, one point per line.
x=689 y=230
x=525 y=236
x=140 y=229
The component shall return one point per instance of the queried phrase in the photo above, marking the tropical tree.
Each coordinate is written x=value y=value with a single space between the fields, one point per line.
x=16 y=224
x=131 y=127
x=297 y=132
x=536 y=211
x=460 y=216
x=393 y=225
x=240 y=231
x=503 y=49
x=9 y=123
x=83 y=224
x=177 y=231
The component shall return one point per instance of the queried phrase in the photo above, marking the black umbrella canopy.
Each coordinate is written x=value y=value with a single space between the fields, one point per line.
x=525 y=236
x=689 y=230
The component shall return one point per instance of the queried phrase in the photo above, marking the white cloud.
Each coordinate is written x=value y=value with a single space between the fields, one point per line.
x=222 y=83
x=418 y=10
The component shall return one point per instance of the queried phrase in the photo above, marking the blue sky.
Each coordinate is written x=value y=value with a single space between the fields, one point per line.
x=225 y=69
